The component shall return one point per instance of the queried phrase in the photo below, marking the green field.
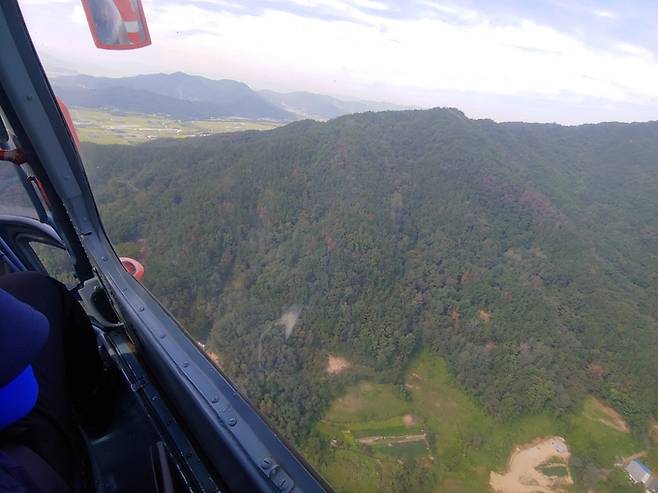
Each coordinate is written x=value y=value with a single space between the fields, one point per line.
x=465 y=443
x=409 y=450
x=559 y=471
x=555 y=466
x=104 y=127
x=368 y=402
x=392 y=427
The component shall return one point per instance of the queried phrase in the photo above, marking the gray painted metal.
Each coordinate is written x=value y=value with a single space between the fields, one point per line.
x=235 y=439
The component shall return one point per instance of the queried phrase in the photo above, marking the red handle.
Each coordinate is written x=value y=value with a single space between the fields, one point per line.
x=134 y=268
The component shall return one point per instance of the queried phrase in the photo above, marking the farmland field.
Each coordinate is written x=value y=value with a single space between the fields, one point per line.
x=461 y=443
x=105 y=127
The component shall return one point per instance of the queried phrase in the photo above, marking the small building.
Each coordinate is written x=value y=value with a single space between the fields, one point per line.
x=638 y=472
x=652 y=485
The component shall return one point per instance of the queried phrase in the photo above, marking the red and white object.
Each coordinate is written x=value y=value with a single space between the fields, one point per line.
x=117 y=24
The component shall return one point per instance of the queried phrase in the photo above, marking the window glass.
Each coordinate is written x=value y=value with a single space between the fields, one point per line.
x=56 y=261
x=407 y=231
x=13 y=197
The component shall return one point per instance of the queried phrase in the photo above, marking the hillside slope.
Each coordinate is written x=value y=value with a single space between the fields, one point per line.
x=321 y=107
x=183 y=96
x=524 y=254
x=179 y=95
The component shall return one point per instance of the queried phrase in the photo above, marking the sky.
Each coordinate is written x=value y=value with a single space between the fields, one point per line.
x=564 y=61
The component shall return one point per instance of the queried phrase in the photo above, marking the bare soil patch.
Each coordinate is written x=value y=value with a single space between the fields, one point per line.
x=529 y=468
x=596 y=370
x=485 y=316
x=612 y=418
x=289 y=319
x=336 y=364
x=214 y=357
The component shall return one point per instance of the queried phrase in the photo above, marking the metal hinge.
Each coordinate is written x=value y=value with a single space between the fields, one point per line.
x=279 y=478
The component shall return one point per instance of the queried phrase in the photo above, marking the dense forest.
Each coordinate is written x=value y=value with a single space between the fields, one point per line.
x=523 y=254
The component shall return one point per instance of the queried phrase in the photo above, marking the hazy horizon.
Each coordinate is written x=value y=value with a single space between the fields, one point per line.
x=548 y=62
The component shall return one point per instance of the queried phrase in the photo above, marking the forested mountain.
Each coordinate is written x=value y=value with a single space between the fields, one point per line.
x=321 y=107
x=184 y=96
x=524 y=254
x=178 y=95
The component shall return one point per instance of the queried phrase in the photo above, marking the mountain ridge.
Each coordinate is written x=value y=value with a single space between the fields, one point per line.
x=185 y=96
x=178 y=95
x=323 y=107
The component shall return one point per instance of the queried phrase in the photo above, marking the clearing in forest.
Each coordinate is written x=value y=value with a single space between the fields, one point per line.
x=373 y=436
x=596 y=410
x=540 y=466
x=336 y=364
x=485 y=315
x=391 y=440
x=462 y=444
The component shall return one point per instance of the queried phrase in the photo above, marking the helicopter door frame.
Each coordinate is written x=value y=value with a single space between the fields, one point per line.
x=237 y=442
x=17 y=232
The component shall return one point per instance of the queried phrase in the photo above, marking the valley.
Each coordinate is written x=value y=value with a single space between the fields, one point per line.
x=184 y=97
x=114 y=127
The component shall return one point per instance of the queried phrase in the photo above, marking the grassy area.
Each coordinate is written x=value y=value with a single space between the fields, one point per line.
x=597 y=411
x=466 y=444
x=391 y=426
x=357 y=472
x=618 y=482
x=409 y=450
x=601 y=444
x=652 y=452
x=371 y=410
x=104 y=127
x=554 y=468
x=469 y=442
x=368 y=402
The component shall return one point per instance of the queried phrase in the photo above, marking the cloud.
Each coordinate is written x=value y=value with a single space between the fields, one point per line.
x=458 y=12
x=635 y=50
x=78 y=16
x=370 y=5
x=604 y=13
x=418 y=51
x=484 y=57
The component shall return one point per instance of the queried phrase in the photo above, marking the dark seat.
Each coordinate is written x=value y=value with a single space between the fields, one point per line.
x=48 y=360
x=22 y=470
